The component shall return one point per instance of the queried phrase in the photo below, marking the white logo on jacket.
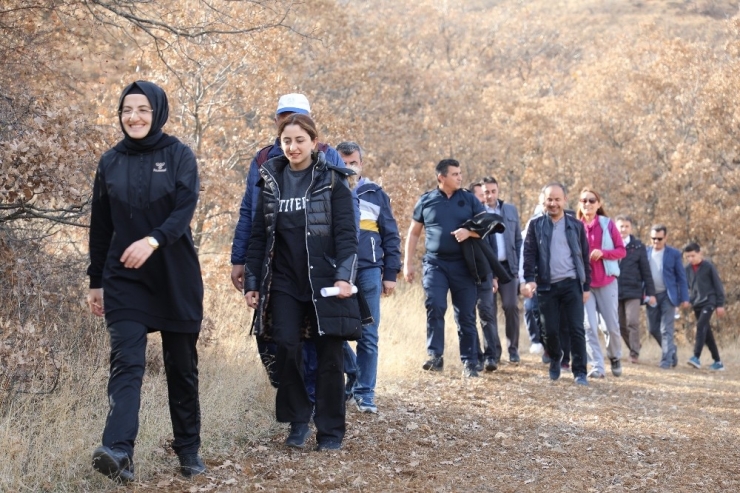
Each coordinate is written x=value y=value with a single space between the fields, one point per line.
x=160 y=167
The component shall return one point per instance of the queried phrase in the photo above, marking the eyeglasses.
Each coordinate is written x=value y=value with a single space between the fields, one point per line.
x=656 y=238
x=128 y=112
x=588 y=201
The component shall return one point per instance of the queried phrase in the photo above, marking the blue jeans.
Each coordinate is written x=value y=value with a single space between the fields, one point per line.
x=660 y=323
x=370 y=282
x=441 y=276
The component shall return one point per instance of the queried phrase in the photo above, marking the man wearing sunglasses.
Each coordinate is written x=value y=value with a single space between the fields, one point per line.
x=671 y=291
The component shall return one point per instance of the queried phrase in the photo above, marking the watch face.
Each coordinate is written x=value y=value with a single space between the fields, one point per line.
x=152 y=241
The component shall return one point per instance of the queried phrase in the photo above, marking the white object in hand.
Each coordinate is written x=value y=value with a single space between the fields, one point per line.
x=334 y=291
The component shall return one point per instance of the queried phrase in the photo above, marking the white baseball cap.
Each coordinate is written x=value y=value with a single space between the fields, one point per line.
x=293 y=103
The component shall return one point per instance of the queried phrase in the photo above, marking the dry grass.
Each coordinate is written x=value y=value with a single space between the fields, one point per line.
x=511 y=430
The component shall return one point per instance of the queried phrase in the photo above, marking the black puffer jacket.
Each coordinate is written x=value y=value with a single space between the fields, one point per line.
x=331 y=243
x=635 y=279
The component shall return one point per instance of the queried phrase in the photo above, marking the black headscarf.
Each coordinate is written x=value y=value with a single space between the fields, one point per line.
x=155 y=139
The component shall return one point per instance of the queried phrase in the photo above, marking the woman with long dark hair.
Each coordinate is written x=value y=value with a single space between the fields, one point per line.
x=144 y=265
x=304 y=238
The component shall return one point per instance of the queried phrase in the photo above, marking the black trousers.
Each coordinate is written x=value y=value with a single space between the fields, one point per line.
x=127 y=362
x=704 y=334
x=292 y=403
x=563 y=303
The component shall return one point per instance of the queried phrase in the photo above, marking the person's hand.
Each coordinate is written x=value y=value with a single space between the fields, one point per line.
x=721 y=311
x=345 y=289
x=586 y=296
x=136 y=254
x=461 y=234
x=408 y=272
x=389 y=287
x=237 y=276
x=652 y=301
x=495 y=284
x=685 y=304
x=527 y=289
x=596 y=254
x=252 y=298
x=95 y=301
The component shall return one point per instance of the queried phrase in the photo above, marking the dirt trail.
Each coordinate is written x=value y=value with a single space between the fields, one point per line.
x=513 y=430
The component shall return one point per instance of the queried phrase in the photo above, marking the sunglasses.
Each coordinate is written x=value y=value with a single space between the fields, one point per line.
x=656 y=238
x=588 y=201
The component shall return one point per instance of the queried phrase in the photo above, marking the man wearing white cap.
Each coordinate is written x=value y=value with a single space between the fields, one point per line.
x=288 y=104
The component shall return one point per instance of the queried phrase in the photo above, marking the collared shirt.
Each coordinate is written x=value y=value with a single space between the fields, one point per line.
x=500 y=241
x=441 y=215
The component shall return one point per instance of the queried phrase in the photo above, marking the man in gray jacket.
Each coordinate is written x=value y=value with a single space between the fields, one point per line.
x=507 y=246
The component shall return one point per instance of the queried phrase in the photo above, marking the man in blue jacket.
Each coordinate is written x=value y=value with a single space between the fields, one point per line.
x=671 y=291
x=379 y=261
x=287 y=105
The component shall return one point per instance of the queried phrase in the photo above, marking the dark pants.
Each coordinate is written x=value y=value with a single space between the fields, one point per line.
x=441 y=276
x=127 y=362
x=267 y=352
x=292 y=403
x=509 y=294
x=487 y=313
x=564 y=301
x=704 y=333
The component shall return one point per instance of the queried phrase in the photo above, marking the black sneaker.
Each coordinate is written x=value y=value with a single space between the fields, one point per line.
x=328 y=445
x=514 y=358
x=469 y=371
x=555 y=367
x=435 y=363
x=479 y=365
x=616 y=367
x=191 y=465
x=298 y=434
x=114 y=463
x=491 y=364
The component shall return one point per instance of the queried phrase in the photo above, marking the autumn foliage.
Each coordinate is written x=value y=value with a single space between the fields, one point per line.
x=636 y=99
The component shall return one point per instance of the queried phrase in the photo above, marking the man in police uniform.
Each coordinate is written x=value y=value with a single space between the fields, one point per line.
x=441 y=212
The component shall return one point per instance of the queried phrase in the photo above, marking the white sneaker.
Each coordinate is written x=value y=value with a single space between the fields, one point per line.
x=536 y=348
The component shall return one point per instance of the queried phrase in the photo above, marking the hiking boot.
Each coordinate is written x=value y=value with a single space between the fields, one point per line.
x=581 y=379
x=717 y=366
x=616 y=367
x=298 y=434
x=694 y=361
x=491 y=364
x=191 y=465
x=435 y=363
x=514 y=358
x=366 y=406
x=114 y=463
x=479 y=365
x=469 y=371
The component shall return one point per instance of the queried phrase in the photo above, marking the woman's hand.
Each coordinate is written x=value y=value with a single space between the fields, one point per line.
x=95 y=301
x=252 y=298
x=345 y=289
x=596 y=254
x=136 y=254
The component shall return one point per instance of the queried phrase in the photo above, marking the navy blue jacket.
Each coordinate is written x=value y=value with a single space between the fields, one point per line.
x=249 y=202
x=380 y=243
x=674 y=275
x=536 y=257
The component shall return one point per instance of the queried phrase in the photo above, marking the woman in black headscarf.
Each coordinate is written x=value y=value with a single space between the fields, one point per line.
x=143 y=258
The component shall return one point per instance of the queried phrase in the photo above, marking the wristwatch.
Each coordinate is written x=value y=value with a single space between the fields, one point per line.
x=152 y=242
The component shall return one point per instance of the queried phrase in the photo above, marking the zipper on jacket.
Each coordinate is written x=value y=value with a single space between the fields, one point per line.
x=308 y=253
x=372 y=243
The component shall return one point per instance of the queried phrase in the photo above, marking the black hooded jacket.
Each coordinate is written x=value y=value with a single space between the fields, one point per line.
x=147 y=187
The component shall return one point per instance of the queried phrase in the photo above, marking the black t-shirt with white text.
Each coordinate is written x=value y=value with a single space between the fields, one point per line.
x=290 y=268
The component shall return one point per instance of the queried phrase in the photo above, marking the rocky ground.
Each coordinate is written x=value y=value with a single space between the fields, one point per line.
x=650 y=430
